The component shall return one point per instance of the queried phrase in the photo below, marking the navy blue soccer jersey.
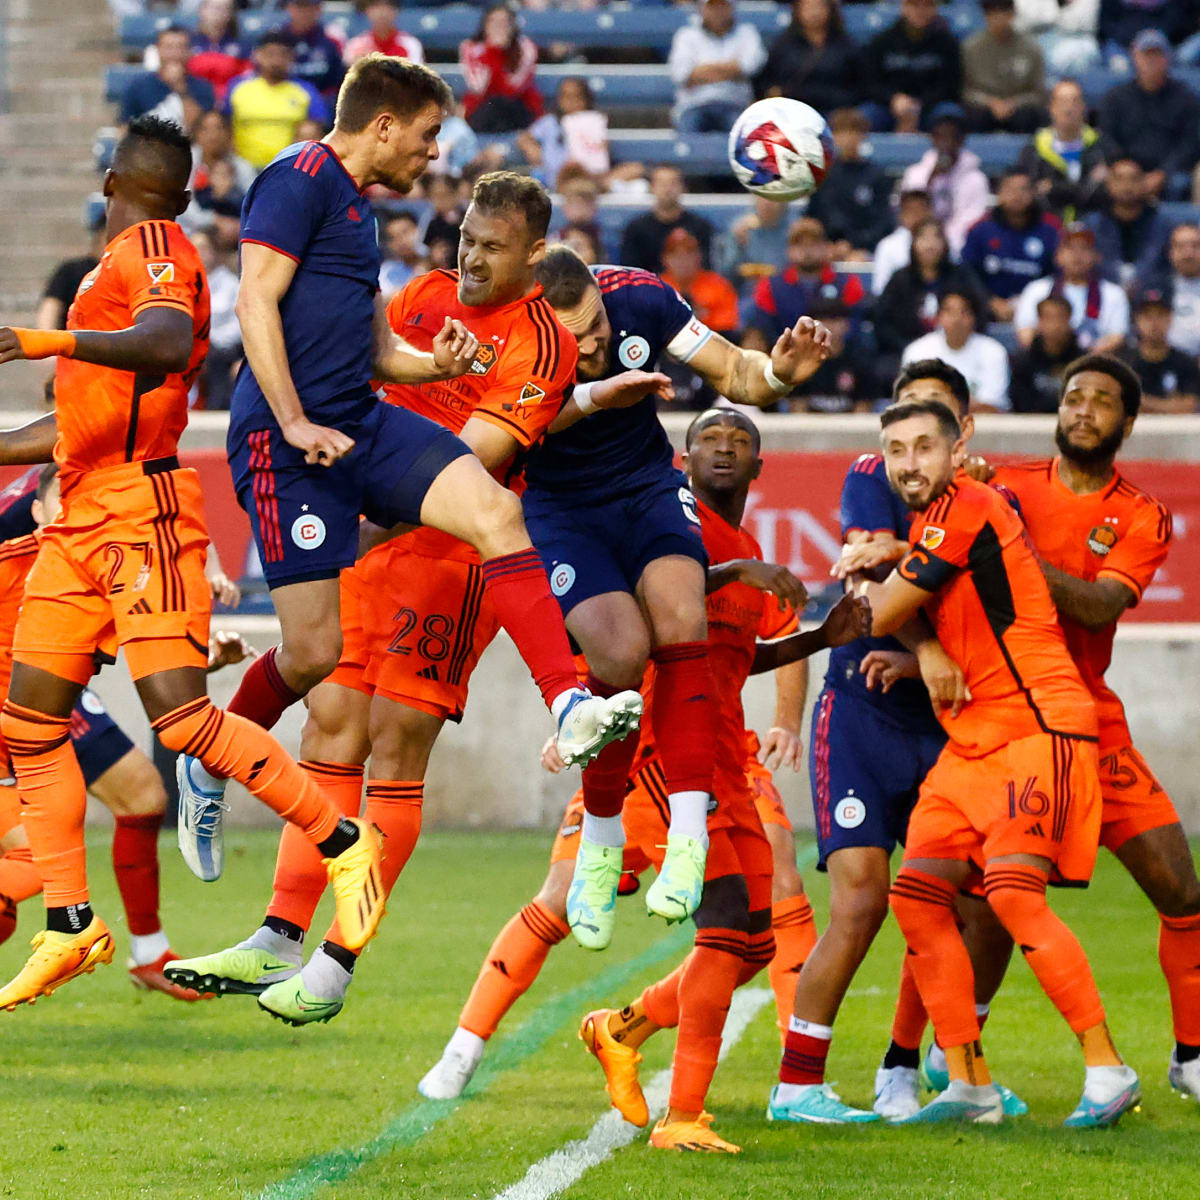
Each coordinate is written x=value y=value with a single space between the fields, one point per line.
x=306 y=205
x=622 y=450
x=870 y=504
x=16 y=506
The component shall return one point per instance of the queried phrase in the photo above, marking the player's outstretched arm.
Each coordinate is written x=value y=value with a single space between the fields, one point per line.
x=28 y=444
x=620 y=391
x=751 y=377
x=159 y=340
x=848 y=619
x=266 y=276
x=1092 y=604
x=454 y=349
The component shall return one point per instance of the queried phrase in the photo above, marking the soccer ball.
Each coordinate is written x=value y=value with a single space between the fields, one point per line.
x=780 y=149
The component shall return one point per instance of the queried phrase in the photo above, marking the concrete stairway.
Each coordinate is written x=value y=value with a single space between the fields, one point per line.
x=57 y=51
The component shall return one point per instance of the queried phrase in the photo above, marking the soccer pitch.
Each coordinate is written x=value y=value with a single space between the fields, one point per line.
x=114 y=1093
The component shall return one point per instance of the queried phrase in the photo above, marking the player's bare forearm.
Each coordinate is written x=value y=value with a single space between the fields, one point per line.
x=770 y=656
x=1092 y=604
x=159 y=341
x=397 y=362
x=489 y=443
x=893 y=602
x=266 y=353
x=791 y=692
x=29 y=444
x=915 y=632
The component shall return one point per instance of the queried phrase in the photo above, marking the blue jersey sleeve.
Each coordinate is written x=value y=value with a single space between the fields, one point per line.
x=284 y=207
x=16 y=506
x=868 y=501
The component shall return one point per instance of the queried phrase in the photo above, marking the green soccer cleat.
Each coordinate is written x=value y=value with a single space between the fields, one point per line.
x=813 y=1104
x=1120 y=1090
x=937 y=1079
x=592 y=898
x=240 y=970
x=287 y=1001
x=675 y=894
x=963 y=1103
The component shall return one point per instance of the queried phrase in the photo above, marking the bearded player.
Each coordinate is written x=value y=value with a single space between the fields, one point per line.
x=617 y=528
x=312 y=447
x=123 y=565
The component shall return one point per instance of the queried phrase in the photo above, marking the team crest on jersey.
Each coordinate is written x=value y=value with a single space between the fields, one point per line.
x=1102 y=539
x=932 y=537
x=634 y=352
x=161 y=272
x=88 y=282
x=308 y=531
x=562 y=578
x=485 y=359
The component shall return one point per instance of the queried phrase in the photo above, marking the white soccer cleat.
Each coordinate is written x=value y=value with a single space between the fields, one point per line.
x=1185 y=1077
x=961 y=1102
x=897 y=1093
x=588 y=723
x=202 y=812
x=447 y=1078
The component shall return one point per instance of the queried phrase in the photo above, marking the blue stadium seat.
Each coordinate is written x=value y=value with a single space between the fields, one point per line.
x=614 y=86
x=1177 y=211
x=116 y=79
x=896 y=151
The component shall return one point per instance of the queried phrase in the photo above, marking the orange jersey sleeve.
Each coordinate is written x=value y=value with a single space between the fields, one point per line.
x=108 y=416
x=1135 y=558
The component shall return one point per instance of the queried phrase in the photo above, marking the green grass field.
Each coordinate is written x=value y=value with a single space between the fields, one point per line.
x=111 y=1093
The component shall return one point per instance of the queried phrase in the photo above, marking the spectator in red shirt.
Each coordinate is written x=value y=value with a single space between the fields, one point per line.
x=218 y=53
x=499 y=64
x=382 y=35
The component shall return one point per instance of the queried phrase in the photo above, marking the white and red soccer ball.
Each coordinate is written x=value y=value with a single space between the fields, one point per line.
x=780 y=148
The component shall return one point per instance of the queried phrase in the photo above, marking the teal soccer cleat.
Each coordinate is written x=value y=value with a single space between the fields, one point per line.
x=813 y=1104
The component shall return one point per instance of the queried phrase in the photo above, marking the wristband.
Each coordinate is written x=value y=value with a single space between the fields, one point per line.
x=773 y=381
x=45 y=343
x=583 y=399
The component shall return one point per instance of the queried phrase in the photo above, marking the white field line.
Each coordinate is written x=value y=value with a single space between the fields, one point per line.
x=556 y=1172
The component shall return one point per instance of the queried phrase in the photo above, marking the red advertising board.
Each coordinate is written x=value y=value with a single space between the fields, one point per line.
x=793 y=512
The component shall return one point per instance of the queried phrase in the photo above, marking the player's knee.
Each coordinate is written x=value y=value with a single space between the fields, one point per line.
x=132 y=787
x=1016 y=907
x=679 y=617
x=498 y=526
x=618 y=655
x=315 y=657
x=402 y=739
x=1180 y=898
x=724 y=904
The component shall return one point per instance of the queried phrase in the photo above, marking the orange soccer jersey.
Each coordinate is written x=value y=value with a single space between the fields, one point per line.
x=418 y=619
x=107 y=416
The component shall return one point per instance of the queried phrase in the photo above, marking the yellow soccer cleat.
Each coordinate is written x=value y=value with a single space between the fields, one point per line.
x=358 y=886
x=57 y=958
x=691 y=1135
x=620 y=1066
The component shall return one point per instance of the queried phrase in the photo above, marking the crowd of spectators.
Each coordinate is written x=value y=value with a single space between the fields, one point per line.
x=1008 y=277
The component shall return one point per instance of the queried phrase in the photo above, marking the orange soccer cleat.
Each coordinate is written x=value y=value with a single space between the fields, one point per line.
x=358 y=896
x=691 y=1135
x=56 y=959
x=151 y=978
x=620 y=1066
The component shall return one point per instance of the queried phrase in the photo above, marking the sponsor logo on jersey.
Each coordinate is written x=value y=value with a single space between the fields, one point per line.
x=1102 y=539
x=161 y=272
x=850 y=812
x=932 y=537
x=562 y=578
x=634 y=353
x=485 y=359
x=308 y=531
x=531 y=394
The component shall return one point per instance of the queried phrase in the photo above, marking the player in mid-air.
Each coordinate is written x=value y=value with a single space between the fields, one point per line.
x=122 y=565
x=415 y=614
x=618 y=531
x=521 y=948
x=312 y=447
x=1014 y=798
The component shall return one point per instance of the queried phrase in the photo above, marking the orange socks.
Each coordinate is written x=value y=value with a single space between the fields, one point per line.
x=53 y=798
x=660 y=1000
x=236 y=748
x=510 y=967
x=705 y=989
x=1017 y=895
x=795 y=931
x=1179 y=956
x=19 y=878
x=299 y=873
x=908 y=1025
x=937 y=954
x=395 y=807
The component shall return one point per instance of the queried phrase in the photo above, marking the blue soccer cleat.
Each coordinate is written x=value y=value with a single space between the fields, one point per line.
x=937 y=1079
x=813 y=1104
x=1105 y=1105
x=963 y=1103
x=202 y=812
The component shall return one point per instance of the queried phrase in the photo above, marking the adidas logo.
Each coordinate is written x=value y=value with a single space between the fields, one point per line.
x=430 y=672
x=1035 y=830
x=140 y=607
x=498 y=963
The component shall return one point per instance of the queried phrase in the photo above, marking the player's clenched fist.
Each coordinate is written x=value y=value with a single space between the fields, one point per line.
x=848 y=620
x=321 y=446
x=454 y=348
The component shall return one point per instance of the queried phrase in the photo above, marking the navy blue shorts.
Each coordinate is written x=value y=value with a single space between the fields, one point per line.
x=98 y=740
x=305 y=518
x=590 y=547
x=866 y=771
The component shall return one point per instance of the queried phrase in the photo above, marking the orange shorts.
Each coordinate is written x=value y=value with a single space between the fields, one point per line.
x=767 y=800
x=1134 y=801
x=10 y=807
x=1037 y=795
x=417 y=627
x=123 y=566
